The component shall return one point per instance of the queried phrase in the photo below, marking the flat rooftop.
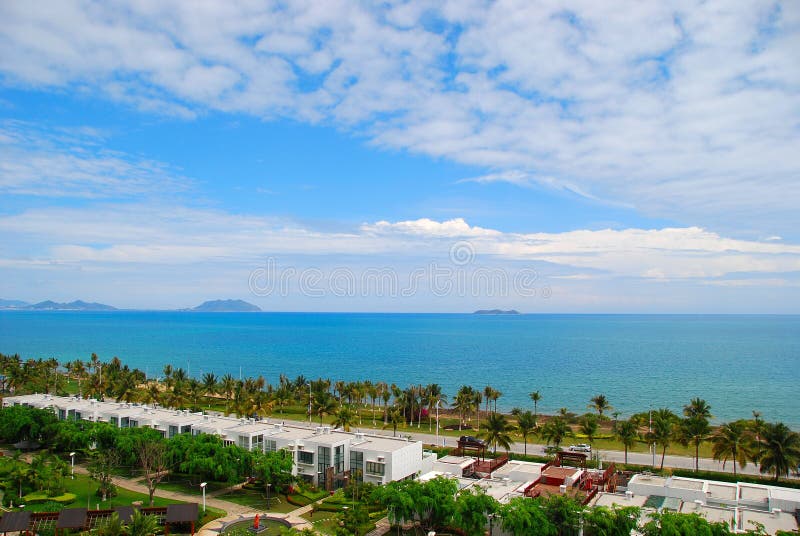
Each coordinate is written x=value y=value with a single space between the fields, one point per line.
x=501 y=490
x=716 y=490
x=686 y=483
x=617 y=499
x=460 y=461
x=381 y=443
x=519 y=470
x=749 y=492
x=711 y=513
x=648 y=480
x=772 y=522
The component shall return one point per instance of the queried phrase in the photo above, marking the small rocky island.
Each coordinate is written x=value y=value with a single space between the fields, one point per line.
x=496 y=312
x=226 y=306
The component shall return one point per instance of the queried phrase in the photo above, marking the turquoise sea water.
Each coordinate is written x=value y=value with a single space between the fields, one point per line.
x=737 y=363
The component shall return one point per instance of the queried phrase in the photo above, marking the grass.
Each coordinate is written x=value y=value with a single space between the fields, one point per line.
x=324 y=522
x=85 y=488
x=185 y=484
x=257 y=500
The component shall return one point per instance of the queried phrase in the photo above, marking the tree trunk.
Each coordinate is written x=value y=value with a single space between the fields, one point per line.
x=696 y=456
x=663 y=453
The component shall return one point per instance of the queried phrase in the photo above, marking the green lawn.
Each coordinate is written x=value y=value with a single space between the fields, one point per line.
x=324 y=522
x=256 y=499
x=184 y=484
x=84 y=488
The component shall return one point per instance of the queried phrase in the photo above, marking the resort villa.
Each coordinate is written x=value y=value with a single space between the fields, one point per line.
x=322 y=456
x=328 y=457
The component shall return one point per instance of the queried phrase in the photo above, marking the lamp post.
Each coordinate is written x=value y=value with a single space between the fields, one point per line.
x=72 y=457
x=650 y=431
x=268 y=487
x=438 y=403
x=492 y=517
x=203 y=487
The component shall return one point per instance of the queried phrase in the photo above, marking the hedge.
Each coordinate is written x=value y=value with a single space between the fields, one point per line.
x=41 y=497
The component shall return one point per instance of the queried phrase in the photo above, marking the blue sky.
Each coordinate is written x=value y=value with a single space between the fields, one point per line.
x=636 y=158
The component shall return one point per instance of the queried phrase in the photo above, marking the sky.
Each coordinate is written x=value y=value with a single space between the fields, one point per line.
x=570 y=156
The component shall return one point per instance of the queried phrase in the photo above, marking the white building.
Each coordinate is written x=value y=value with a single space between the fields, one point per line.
x=324 y=457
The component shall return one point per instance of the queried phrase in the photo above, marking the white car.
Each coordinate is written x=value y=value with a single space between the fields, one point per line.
x=583 y=447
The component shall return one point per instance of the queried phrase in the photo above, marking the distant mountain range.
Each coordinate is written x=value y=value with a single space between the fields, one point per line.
x=49 y=305
x=226 y=306
x=496 y=312
x=212 y=306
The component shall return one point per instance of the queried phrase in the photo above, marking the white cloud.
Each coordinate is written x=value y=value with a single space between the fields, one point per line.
x=687 y=110
x=161 y=235
x=72 y=163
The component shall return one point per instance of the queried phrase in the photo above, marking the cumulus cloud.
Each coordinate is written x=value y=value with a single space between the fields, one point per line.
x=687 y=110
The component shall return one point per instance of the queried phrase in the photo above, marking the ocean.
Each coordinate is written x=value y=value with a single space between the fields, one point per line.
x=737 y=363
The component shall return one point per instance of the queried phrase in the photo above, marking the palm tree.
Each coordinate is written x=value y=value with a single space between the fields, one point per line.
x=600 y=404
x=526 y=424
x=344 y=418
x=555 y=430
x=780 y=449
x=477 y=398
x=495 y=395
x=394 y=417
x=323 y=404
x=663 y=430
x=142 y=524
x=464 y=403
x=732 y=441
x=536 y=397
x=210 y=383
x=627 y=432
x=498 y=431
x=227 y=385
x=487 y=396
x=589 y=427
x=694 y=430
x=697 y=408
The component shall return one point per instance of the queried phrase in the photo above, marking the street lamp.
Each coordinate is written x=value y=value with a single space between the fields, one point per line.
x=72 y=456
x=650 y=431
x=492 y=517
x=438 y=403
x=203 y=487
x=268 y=487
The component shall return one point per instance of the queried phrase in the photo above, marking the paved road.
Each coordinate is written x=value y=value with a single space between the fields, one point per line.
x=638 y=458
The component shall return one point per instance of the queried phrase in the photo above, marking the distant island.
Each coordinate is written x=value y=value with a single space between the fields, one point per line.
x=496 y=312
x=49 y=305
x=226 y=306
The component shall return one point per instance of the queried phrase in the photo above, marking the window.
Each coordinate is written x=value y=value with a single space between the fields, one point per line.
x=338 y=459
x=323 y=462
x=244 y=441
x=305 y=457
x=356 y=465
x=271 y=445
x=133 y=424
x=186 y=429
x=124 y=422
x=376 y=468
x=173 y=431
x=62 y=414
